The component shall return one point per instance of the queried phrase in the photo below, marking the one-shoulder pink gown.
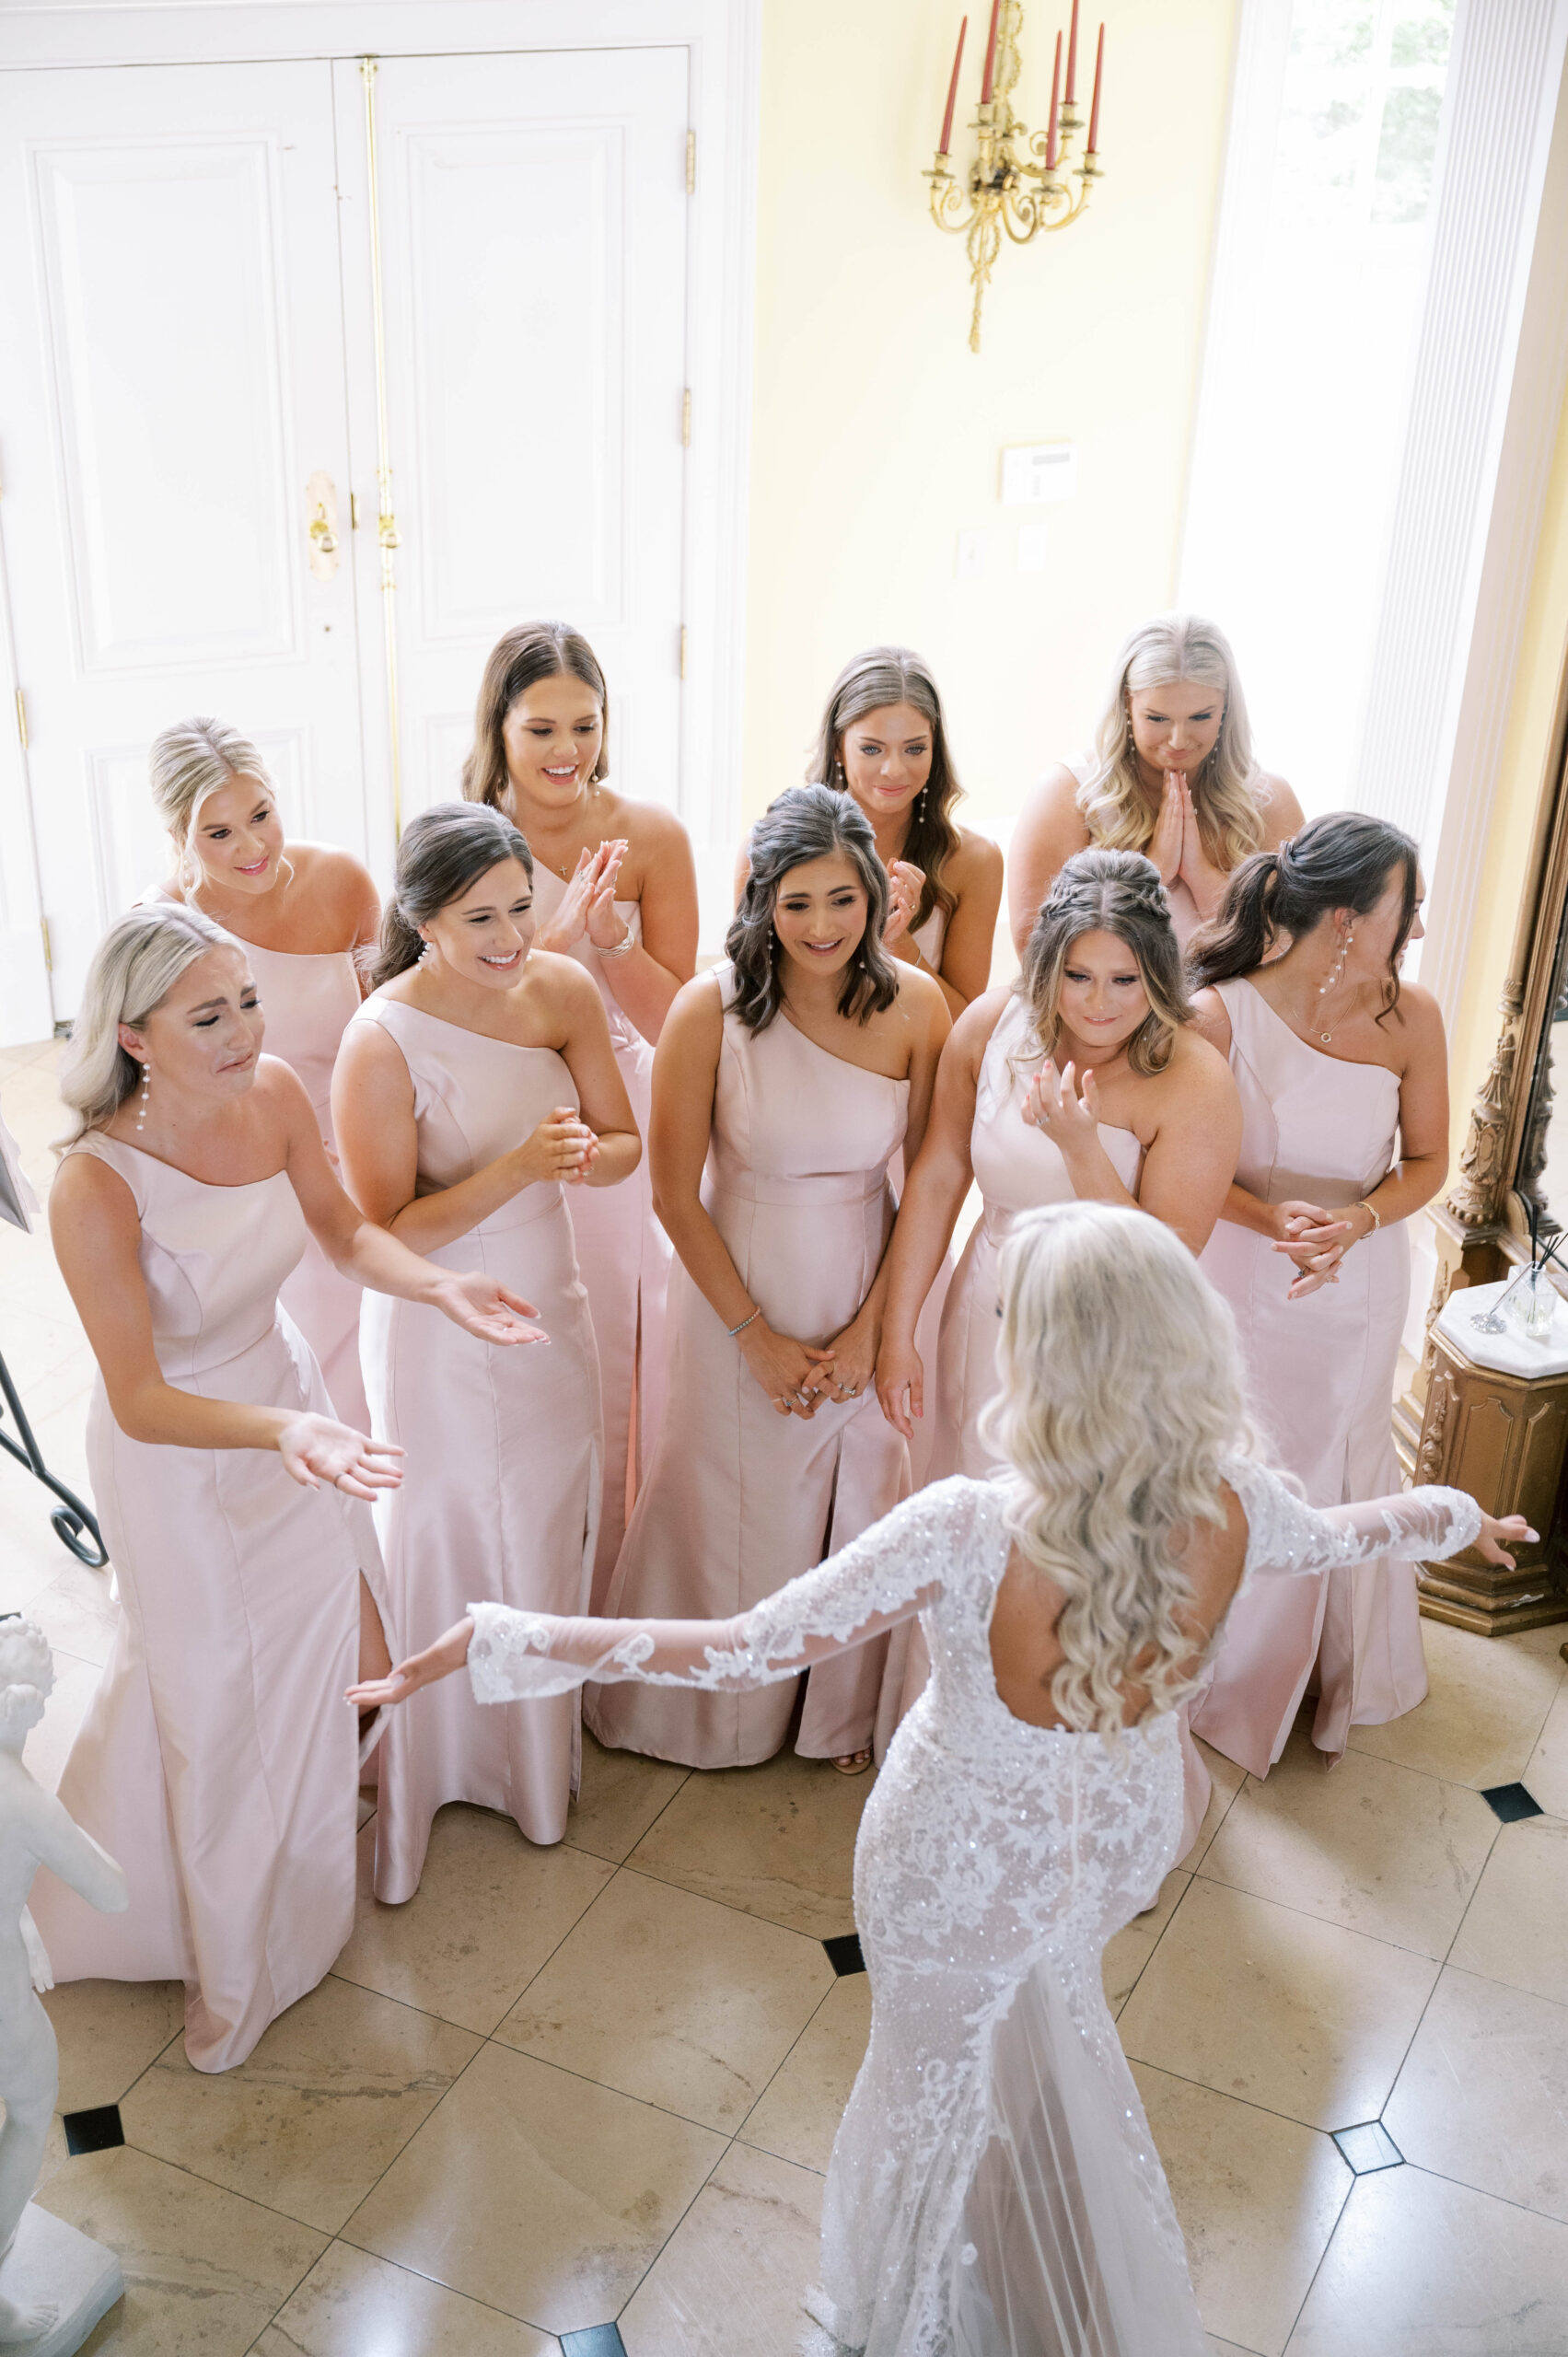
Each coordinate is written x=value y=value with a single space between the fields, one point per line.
x=1322 y=1373
x=500 y=1479
x=216 y=1761
x=739 y=1499
x=625 y=1258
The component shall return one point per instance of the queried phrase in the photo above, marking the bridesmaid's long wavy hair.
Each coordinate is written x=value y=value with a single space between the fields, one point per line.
x=517 y=661
x=442 y=856
x=1343 y=860
x=1107 y=892
x=802 y=823
x=1112 y=798
x=884 y=676
x=1121 y=1398
x=134 y=968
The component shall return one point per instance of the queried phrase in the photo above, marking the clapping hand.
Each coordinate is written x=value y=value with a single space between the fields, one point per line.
x=317 y=1448
x=905 y=884
x=604 y=928
x=569 y=923
x=1052 y=1103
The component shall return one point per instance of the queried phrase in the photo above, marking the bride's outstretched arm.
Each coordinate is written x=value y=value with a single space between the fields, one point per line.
x=1284 y=1534
x=887 y=1575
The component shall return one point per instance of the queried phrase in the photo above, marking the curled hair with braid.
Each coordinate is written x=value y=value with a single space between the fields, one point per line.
x=1343 y=860
x=806 y=822
x=1118 y=892
x=442 y=856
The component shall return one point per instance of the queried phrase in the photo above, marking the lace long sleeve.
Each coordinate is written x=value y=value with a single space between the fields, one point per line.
x=1285 y=1535
x=887 y=1575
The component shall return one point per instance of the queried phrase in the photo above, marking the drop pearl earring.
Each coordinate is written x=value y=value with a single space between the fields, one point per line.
x=146 y=1092
x=1332 y=982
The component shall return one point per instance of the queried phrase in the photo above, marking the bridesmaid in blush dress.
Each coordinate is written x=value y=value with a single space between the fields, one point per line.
x=615 y=887
x=786 y=1081
x=216 y=1761
x=303 y=911
x=1343 y=1078
x=476 y=1084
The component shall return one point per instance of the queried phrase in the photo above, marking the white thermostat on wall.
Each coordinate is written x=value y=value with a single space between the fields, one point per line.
x=1034 y=472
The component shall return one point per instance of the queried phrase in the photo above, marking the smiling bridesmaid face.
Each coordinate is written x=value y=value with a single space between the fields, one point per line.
x=484 y=936
x=819 y=914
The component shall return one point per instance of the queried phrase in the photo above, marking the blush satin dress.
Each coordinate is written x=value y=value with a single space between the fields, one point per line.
x=1321 y=1374
x=500 y=1479
x=216 y=1761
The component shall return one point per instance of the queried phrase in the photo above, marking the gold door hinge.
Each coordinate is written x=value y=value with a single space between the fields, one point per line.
x=686 y=419
x=22 y=719
x=354 y=511
x=691 y=163
x=48 y=951
x=683 y=650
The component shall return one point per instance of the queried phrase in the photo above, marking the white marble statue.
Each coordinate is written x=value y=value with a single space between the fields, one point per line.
x=40 y=2279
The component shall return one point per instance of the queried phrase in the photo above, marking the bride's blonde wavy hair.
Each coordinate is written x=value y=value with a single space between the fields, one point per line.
x=1113 y=799
x=1121 y=1398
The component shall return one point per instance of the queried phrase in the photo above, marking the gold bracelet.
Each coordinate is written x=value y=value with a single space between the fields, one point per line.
x=1377 y=1218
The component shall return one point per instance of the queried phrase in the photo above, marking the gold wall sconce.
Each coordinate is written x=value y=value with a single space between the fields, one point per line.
x=1018 y=183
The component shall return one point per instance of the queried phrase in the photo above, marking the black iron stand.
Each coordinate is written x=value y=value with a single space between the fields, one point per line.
x=72 y=1520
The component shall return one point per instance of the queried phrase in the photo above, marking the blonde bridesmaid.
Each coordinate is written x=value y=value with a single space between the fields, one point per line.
x=475 y=1085
x=303 y=911
x=786 y=1080
x=616 y=888
x=1344 y=1077
x=1171 y=774
x=216 y=1761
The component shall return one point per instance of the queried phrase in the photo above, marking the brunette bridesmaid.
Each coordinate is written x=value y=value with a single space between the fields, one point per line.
x=476 y=1083
x=303 y=911
x=616 y=888
x=1171 y=774
x=216 y=1761
x=785 y=1082
x=1343 y=1071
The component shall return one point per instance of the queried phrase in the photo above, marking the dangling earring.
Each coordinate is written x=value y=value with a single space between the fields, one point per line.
x=146 y=1092
x=1333 y=979
x=839 y=775
x=920 y=806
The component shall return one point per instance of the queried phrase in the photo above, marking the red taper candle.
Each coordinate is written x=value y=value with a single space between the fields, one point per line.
x=988 y=85
x=1094 y=110
x=1051 y=146
x=1073 y=57
x=945 y=148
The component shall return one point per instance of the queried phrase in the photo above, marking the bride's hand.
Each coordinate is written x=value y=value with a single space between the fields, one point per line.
x=439 y=1660
x=316 y=1449
x=1513 y=1528
x=487 y=1310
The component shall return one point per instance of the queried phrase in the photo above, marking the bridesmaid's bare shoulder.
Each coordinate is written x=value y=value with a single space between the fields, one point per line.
x=1417 y=1022
x=1211 y=1020
x=975 y=865
x=1277 y=806
x=1200 y=1079
x=336 y=886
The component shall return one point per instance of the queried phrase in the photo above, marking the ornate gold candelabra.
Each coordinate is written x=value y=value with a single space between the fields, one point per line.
x=1019 y=182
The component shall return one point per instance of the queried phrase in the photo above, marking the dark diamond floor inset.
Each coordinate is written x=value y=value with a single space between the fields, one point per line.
x=1369 y=2148
x=98 y=2130
x=843 y=1954
x=594 y=2340
x=1511 y=1803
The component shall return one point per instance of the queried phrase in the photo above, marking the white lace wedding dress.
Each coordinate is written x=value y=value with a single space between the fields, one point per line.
x=993 y=2191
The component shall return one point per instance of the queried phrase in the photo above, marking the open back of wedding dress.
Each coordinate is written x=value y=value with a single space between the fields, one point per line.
x=993 y=2191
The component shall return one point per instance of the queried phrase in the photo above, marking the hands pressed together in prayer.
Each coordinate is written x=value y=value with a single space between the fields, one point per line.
x=1177 y=846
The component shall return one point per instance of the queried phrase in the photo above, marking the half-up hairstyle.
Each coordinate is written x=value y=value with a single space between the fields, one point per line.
x=134 y=968
x=1120 y=1398
x=1107 y=891
x=442 y=856
x=1113 y=799
x=1343 y=860
x=517 y=661
x=882 y=677
x=807 y=822
x=188 y=762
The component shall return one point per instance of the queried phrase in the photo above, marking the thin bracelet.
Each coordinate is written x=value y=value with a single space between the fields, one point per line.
x=1377 y=1218
x=734 y=1331
x=621 y=948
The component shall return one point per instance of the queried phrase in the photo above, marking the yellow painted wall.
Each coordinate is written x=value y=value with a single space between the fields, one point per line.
x=1527 y=753
x=876 y=434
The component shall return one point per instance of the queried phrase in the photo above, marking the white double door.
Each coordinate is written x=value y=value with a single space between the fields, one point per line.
x=191 y=375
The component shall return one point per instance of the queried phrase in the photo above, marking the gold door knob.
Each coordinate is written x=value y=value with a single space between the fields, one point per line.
x=321 y=525
x=322 y=534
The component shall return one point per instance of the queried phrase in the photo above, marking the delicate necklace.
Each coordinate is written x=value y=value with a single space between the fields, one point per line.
x=565 y=872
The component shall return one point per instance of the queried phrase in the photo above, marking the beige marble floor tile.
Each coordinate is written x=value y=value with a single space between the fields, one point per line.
x=333 y=2092
x=1226 y=1779
x=1228 y=2349
x=109 y=2033
x=76 y=1612
x=1545 y=1772
x=733 y=2274
x=1483 y=2094
x=1257 y=2196
x=1515 y=1928
x=353 y=2305
x=1297 y=2016
x=797 y=2115
x=672 y=1999
x=1547 y=1642
x=1368 y=1845
x=1130 y=1950
x=776 y=1840
x=205 y=2271
x=621 y=1794
x=489 y=1910
x=1484 y=1708
x=1420 y=2267
x=537 y=2192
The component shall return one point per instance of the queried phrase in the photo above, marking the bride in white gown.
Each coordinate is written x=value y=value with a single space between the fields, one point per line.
x=994 y=2190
